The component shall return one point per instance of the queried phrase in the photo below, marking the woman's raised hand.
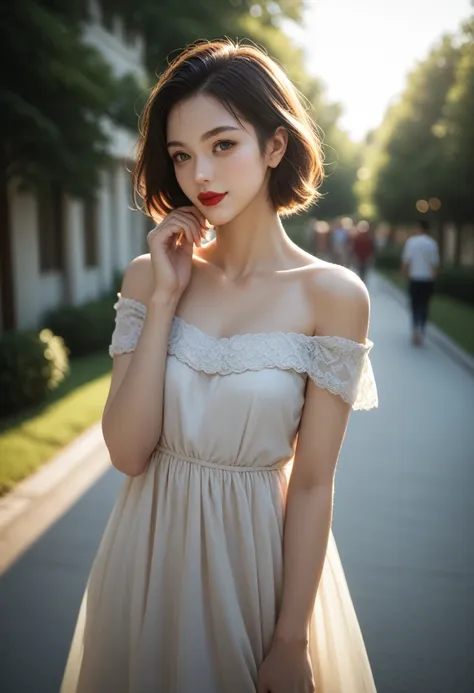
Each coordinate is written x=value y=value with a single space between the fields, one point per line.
x=171 y=249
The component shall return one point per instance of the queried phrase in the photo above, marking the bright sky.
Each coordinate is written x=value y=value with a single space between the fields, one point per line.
x=363 y=49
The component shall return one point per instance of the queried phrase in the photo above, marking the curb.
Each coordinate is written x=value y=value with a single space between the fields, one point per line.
x=32 y=506
x=434 y=334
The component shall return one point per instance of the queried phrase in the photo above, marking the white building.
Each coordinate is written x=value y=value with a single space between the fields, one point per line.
x=63 y=250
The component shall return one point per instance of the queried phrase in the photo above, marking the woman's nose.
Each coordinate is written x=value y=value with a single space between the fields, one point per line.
x=203 y=171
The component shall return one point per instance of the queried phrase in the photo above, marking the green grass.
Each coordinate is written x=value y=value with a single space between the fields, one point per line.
x=455 y=318
x=29 y=440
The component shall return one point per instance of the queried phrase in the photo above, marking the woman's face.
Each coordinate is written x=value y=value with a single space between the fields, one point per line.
x=213 y=153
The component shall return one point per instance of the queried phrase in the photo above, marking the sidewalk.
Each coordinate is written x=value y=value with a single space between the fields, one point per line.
x=28 y=511
x=436 y=335
x=403 y=519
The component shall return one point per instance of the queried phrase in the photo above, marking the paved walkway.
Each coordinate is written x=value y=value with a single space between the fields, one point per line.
x=404 y=519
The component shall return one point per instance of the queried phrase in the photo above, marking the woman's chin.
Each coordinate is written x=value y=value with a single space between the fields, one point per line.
x=219 y=217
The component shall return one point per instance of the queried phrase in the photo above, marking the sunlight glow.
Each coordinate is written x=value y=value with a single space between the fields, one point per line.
x=364 y=50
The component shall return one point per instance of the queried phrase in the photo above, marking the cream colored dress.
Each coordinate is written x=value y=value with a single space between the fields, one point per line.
x=184 y=592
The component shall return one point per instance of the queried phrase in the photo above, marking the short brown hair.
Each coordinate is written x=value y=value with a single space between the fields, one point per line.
x=253 y=88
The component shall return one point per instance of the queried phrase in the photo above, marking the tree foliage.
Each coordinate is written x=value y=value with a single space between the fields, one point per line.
x=168 y=26
x=423 y=149
x=456 y=132
x=55 y=92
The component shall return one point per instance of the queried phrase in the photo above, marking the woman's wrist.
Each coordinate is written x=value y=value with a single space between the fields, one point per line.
x=295 y=640
x=163 y=302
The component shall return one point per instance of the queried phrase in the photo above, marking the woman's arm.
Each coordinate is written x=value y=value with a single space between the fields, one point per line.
x=133 y=414
x=310 y=492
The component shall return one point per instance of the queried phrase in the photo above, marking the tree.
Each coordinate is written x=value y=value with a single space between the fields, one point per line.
x=420 y=159
x=55 y=92
x=168 y=26
x=342 y=160
x=455 y=131
x=130 y=96
x=51 y=111
x=406 y=161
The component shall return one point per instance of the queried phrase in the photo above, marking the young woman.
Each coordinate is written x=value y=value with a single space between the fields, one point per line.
x=236 y=363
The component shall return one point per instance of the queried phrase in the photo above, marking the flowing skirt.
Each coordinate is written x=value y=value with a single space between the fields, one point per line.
x=184 y=592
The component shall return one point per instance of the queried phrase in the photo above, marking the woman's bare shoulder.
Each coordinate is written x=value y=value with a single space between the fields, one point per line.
x=340 y=300
x=138 y=280
x=336 y=280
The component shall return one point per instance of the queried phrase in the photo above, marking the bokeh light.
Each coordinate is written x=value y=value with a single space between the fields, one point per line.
x=363 y=226
x=363 y=173
x=322 y=227
x=422 y=206
x=347 y=223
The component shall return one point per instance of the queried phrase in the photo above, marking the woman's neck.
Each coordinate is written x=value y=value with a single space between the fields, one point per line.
x=255 y=241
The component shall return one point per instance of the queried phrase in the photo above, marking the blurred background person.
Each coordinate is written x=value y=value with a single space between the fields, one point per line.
x=420 y=263
x=362 y=249
x=340 y=242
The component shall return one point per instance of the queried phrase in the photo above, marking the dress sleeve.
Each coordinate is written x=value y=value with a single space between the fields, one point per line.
x=129 y=318
x=343 y=367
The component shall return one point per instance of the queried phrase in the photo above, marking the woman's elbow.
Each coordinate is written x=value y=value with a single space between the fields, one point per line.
x=128 y=465
x=125 y=461
x=128 y=453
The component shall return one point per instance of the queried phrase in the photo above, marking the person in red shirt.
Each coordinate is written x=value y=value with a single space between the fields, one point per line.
x=362 y=249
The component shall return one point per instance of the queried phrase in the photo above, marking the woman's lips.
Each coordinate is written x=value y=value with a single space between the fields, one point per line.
x=211 y=199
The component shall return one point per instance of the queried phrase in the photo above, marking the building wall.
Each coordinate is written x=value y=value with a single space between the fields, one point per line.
x=125 y=55
x=121 y=237
x=83 y=283
x=35 y=292
x=121 y=231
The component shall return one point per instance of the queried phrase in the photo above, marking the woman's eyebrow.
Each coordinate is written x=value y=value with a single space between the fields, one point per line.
x=207 y=135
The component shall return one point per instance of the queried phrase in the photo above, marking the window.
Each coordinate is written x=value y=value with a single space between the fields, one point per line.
x=51 y=227
x=91 y=254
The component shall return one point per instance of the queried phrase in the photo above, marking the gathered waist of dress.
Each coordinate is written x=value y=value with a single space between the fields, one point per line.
x=216 y=465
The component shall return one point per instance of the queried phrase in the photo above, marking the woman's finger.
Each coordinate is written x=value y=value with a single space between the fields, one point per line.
x=168 y=229
x=188 y=229
x=192 y=223
x=187 y=223
x=196 y=213
x=191 y=209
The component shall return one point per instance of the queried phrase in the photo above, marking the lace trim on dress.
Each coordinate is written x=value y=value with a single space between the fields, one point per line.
x=128 y=325
x=339 y=365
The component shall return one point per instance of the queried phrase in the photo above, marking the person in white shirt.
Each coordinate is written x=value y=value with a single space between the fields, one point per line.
x=420 y=263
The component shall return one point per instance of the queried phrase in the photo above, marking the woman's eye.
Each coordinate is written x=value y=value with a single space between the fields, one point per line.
x=224 y=145
x=178 y=155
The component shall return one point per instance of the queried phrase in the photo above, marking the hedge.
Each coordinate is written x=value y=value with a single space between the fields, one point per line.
x=31 y=365
x=86 y=328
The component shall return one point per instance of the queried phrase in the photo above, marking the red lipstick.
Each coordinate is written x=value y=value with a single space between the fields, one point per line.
x=209 y=199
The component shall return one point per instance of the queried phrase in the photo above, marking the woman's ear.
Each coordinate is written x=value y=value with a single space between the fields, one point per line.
x=276 y=147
